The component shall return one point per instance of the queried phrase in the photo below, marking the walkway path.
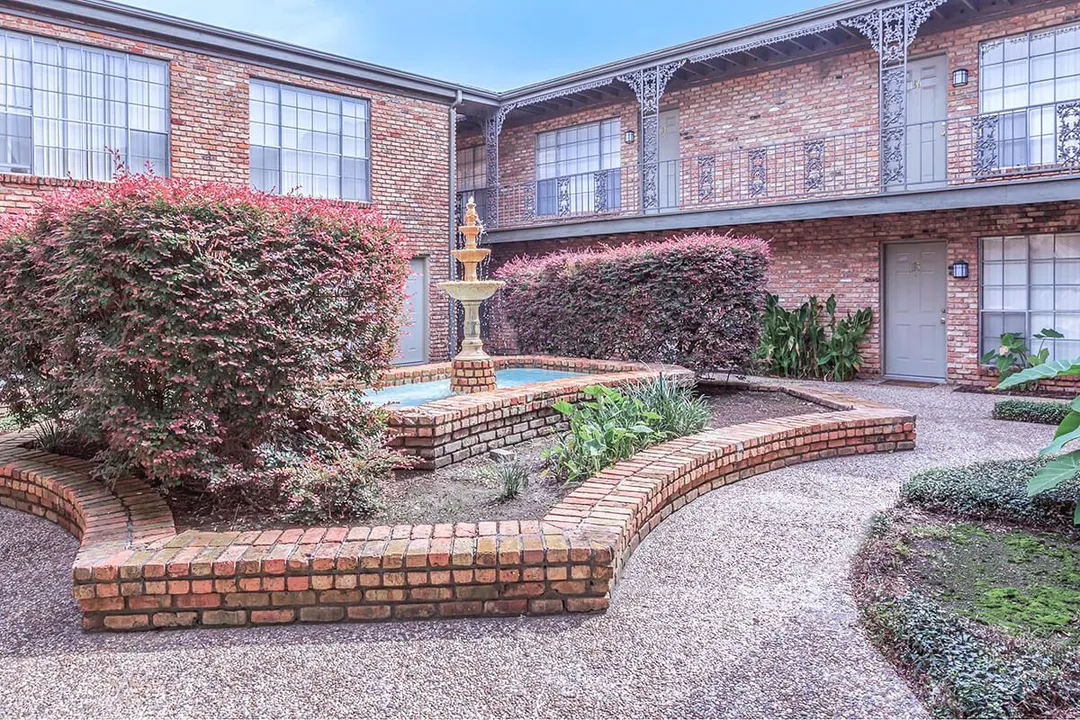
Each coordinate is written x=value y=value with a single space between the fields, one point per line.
x=736 y=606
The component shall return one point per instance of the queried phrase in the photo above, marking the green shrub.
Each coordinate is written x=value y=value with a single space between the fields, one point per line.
x=796 y=343
x=8 y=423
x=613 y=425
x=510 y=476
x=186 y=328
x=693 y=301
x=1033 y=411
x=995 y=489
x=338 y=485
x=968 y=675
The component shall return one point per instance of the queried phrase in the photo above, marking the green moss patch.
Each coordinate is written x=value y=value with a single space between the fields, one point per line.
x=1015 y=581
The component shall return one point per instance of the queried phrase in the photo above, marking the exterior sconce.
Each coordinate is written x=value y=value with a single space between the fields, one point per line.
x=628 y=137
x=959 y=269
x=960 y=77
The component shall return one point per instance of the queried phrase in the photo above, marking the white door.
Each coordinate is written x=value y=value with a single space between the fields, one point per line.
x=669 y=160
x=915 y=310
x=412 y=345
x=926 y=122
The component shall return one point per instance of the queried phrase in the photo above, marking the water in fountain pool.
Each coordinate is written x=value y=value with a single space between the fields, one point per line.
x=419 y=393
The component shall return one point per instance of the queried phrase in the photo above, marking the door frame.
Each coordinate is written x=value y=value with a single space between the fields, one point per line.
x=946 y=80
x=884 y=313
x=425 y=263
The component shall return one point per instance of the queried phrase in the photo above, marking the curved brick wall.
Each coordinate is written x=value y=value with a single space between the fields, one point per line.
x=142 y=576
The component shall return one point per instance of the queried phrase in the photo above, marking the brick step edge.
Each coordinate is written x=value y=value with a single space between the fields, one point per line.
x=568 y=561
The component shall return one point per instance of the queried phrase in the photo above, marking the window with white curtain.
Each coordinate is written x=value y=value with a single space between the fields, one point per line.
x=65 y=109
x=1022 y=79
x=1032 y=282
x=571 y=158
x=314 y=143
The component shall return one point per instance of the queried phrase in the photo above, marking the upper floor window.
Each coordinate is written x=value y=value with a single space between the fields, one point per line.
x=313 y=142
x=577 y=169
x=65 y=109
x=471 y=168
x=1022 y=79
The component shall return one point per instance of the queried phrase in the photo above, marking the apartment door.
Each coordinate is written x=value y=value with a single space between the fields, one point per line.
x=669 y=160
x=915 y=310
x=926 y=112
x=412 y=344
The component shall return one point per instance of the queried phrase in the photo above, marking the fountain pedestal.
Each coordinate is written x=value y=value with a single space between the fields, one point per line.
x=472 y=370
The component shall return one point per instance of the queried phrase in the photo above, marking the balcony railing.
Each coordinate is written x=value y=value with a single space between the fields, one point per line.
x=1033 y=141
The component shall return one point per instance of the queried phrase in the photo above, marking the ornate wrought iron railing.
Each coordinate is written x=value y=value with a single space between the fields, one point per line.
x=1032 y=141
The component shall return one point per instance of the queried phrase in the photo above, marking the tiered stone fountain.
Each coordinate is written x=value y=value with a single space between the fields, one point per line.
x=473 y=369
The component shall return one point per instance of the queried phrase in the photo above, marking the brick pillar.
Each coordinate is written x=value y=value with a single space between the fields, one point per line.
x=472 y=376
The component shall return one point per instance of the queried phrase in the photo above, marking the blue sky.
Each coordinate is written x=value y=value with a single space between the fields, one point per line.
x=509 y=42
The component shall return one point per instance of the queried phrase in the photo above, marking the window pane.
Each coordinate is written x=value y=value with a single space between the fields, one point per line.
x=324 y=140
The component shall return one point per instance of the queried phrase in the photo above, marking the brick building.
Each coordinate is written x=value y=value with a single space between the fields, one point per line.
x=881 y=146
x=81 y=78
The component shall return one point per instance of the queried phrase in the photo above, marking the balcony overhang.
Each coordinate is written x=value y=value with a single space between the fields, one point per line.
x=1005 y=193
x=808 y=36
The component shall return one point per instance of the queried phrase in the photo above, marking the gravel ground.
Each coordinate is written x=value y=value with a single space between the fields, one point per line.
x=736 y=606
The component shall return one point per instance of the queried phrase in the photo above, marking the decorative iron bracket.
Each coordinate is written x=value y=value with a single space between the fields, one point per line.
x=648 y=85
x=891 y=31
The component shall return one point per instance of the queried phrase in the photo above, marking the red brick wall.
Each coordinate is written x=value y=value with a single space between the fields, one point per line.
x=208 y=98
x=842 y=255
x=827 y=97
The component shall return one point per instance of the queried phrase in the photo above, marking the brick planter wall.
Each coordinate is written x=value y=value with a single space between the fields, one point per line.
x=132 y=573
x=462 y=426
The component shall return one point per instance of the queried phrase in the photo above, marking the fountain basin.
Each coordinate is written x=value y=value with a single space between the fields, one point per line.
x=456 y=427
x=470 y=290
x=421 y=393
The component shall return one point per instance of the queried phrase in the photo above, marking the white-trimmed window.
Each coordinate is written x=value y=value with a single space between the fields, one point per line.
x=65 y=109
x=1031 y=282
x=314 y=143
x=569 y=162
x=1022 y=80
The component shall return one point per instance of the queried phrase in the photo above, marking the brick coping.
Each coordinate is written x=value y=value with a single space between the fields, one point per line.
x=132 y=572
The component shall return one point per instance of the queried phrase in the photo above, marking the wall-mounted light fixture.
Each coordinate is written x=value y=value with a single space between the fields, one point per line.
x=960 y=77
x=959 y=269
x=628 y=136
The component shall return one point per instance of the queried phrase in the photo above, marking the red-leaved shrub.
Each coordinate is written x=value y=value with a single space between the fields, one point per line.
x=694 y=301
x=185 y=327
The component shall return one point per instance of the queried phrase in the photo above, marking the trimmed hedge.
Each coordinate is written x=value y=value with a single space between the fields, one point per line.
x=1033 y=411
x=694 y=301
x=994 y=489
x=184 y=328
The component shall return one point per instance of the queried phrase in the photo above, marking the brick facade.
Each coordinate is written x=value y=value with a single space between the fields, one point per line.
x=842 y=255
x=208 y=99
x=828 y=97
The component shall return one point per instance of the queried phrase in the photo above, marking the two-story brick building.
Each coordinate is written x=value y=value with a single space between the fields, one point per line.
x=921 y=157
x=83 y=79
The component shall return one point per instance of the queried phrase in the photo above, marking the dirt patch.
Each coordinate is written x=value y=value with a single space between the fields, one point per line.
x=743 y=406
x=465 y=492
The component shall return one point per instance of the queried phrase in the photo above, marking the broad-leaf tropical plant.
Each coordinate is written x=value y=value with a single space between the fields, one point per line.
x=1013 y=354
x=1065 y=465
